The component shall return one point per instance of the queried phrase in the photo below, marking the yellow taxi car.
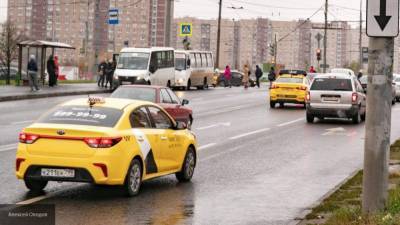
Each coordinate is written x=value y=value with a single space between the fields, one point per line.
x=288 y=88
x=105 y=141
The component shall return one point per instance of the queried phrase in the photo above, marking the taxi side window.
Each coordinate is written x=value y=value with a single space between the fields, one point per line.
x=160 y=119
x=165 y=98
x=140 y=118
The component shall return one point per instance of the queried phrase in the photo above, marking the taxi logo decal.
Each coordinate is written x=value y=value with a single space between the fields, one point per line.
x=145 y=149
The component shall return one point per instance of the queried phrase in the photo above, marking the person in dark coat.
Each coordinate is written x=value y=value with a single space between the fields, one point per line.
x=102 y=73
x=109 y=73
x=51 y=70
x=271 y=76
x=32 y=72
x=259 y=74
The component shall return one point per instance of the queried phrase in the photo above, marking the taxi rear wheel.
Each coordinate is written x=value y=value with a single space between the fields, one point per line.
x=133 y=178
x=188 y=166
x=35 y=185
x=272 y=104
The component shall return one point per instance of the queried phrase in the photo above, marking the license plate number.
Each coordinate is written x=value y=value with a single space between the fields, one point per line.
x=68 y=173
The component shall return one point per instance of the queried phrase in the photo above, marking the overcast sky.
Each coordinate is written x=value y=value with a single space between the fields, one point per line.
x=273 y=9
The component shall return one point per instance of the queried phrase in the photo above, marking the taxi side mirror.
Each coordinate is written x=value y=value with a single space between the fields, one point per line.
x=181 y=125
x=185 y=102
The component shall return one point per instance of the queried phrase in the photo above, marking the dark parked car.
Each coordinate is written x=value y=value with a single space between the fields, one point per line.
x=364 y=83
x=236 y=80
x=163 y=96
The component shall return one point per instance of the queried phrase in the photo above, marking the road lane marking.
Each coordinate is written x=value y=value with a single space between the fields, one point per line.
x=290 y=122
x=227 y=124
x=222 y=153
x=249 y=133
x=206 y=146
x=50 y=194
x=5 y=148
x=22 y=122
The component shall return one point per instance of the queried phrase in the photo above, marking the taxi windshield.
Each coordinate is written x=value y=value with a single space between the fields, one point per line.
x=133 y=61
x=143 y=94
x=83 y=115
x=180 y=62
x=291 y=80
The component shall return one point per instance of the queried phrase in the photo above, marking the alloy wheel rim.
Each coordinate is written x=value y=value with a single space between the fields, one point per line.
x=190 y=164
x=135 y=178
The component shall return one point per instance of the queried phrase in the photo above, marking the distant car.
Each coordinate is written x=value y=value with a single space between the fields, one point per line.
x=288 y=89
x=107 y=142
x=311 y=76
x=343 y=70
x=163 y=96
x=364 y=83
x=236 y=79
x=336 y=95
x=13 y=72
x=397 y=85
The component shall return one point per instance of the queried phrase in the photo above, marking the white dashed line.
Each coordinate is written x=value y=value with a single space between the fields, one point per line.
x=206 y=146
x=249 y=133
x=290 y=122
x=5 y=148
x=23 y=122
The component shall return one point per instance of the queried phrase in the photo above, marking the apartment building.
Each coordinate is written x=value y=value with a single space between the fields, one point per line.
x=83 y=24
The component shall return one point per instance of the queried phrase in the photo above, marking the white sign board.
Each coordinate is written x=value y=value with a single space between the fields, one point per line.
x=382 y=18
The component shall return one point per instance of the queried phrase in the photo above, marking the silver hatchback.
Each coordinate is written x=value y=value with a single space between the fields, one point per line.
x=337 y=96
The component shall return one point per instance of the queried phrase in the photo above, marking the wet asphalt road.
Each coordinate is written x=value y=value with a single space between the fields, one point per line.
x=256 y=166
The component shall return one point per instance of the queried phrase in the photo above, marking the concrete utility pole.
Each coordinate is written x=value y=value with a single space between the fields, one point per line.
x=377 y=129
x=219 y=33
x=276 y=51
x=382 y=28
x=325 y=34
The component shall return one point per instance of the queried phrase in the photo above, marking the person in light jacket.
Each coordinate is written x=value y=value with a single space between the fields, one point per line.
x=245 y=79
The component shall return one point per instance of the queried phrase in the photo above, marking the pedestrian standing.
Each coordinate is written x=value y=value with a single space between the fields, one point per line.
x=271 y=76
x=245 y=79
x=51 y=70
x=109 y=73
x=227 y=77
x=259 y=74
x=57 y=69
x=360 y=74
x=32 y=72
x=101 y=71
x=312 y=70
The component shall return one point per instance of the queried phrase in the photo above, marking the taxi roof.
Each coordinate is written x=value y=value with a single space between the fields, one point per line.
x=292 y=76
x=116 y=103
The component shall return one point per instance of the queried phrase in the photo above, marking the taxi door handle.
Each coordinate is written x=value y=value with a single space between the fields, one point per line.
x=163 y=138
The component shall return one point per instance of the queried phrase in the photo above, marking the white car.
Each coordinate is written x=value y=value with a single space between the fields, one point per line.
x=343 y=70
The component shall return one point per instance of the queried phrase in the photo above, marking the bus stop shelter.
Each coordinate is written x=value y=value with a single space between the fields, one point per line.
x=41 y=46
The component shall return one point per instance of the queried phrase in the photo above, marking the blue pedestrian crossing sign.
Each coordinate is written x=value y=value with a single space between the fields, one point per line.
x=185 y=30
x=113 y=16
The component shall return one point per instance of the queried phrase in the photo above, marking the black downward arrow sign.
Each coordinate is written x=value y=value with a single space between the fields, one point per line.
x=382 y=19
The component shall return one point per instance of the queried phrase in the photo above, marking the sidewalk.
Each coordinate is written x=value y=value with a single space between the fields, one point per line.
x=12 y=93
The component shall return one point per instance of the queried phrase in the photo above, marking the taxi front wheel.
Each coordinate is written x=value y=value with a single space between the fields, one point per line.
x=188 y=166
x=35 y=185
x=133 y=178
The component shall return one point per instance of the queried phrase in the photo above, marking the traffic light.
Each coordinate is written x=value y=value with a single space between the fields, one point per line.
x=272 y=49
x=318 y=54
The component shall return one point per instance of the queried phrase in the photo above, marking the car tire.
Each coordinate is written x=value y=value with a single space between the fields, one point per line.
x=393 y=101
x=35 y=185
x=304 y=106
x=205 y=84
x=272 y=104
x=189 y=83
x=398 y=99
x=356 y=118
x=363 y=116
x=189 y=122
x=133 y=179
x=188 y=166
x=310 y=118
x=281 y=104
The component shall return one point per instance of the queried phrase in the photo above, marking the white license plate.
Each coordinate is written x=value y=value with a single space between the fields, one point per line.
x=68 y=173
x=331 y=99
x=126 y=82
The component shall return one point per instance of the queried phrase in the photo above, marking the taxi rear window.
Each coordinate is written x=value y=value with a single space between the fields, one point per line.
x=83 y=115
x=292 y=80
x=329 y=84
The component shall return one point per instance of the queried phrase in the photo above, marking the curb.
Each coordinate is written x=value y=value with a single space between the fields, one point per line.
x=55 y=94
x=301 y=216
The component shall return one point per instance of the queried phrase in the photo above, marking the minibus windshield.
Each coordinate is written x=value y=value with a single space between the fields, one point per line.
x=133 y=61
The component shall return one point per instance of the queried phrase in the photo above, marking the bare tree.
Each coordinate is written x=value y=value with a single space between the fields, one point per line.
x=9 y=39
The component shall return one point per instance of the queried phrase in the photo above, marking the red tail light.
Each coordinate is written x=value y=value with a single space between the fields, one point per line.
x=28 y=138
x=274 y=86
x=103 y=168
x=102 y=142
x=303 y=88
x=308 y=97
x=18 y=162
x=354 y=98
